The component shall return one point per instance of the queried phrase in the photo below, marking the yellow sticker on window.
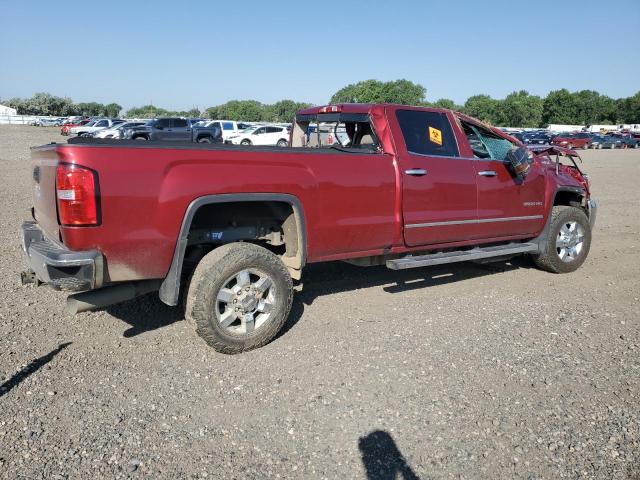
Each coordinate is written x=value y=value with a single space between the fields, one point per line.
x=435 y=135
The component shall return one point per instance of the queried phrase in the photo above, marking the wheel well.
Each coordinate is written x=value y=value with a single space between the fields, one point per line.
x=271 y=224
x=570 y=199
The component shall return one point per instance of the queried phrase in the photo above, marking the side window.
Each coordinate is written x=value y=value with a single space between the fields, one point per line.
x=486 y=144
x=227 y=125
x=274 y=129
x=179 y=123
x=102 y=123
x=163 y=123
x=260 y=131
x=427 y=133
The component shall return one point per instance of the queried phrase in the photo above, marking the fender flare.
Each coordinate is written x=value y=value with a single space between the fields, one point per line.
x=170 y=288
x=541 y=239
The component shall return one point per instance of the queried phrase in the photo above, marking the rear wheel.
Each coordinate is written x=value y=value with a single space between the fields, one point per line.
x=140 y=138
x=568 y=242
x=239 y=297
x=282 y=143
x=204 y=140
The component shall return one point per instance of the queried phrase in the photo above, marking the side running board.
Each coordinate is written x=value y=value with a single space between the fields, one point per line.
x=477 y=253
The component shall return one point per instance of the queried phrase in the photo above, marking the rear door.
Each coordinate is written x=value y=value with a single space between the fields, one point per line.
x=180 y=130
x=438 y=185
x=507 y=206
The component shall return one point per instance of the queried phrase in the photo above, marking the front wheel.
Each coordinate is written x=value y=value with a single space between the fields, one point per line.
x=239 y=297
x=568 y=242
x=245 y=142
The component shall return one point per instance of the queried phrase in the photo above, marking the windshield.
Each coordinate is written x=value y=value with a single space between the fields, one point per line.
x=249 y=130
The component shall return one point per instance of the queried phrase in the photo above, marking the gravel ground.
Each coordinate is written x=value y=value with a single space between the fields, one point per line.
x=463 y=371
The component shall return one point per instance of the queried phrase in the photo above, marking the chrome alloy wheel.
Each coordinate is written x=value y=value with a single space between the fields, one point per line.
x=570 y=241
x=246 y=301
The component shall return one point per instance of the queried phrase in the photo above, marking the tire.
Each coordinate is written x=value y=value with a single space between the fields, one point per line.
x=282 y=143
x=245 y=142
x=560 y=233
x=216 y=296
x=140 y=138
x=204 y=140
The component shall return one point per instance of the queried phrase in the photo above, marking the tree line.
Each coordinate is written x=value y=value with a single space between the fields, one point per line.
x=46 y=104
x=518 y=109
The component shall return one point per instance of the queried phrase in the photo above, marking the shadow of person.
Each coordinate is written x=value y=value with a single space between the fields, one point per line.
x=381 y=458
x=30 y=369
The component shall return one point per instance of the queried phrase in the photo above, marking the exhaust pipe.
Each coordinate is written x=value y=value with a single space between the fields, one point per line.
x=103 y=297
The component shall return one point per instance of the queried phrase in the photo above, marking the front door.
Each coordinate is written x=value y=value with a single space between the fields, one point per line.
x=507 y=206
x=438 y=185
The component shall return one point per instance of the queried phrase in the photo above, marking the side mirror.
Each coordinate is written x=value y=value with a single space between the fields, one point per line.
x=520 y=159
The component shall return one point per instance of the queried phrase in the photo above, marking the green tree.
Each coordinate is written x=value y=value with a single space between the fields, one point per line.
x=89 y=109
x=247 y=110
x=147 y=111
x=559 y=106
x=374 y=91
x=283 y=111
x=445 y=103
x=112 y=110
x=519 y=109
x=482 y=107
x=628 y=109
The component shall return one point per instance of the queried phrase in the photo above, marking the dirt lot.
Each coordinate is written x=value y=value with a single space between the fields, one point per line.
x=463 y=371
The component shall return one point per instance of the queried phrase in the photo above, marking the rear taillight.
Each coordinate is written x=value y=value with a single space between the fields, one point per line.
x=77 y=193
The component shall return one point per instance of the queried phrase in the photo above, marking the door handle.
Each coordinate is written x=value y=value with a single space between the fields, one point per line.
x=416 y=172
x=487 y=173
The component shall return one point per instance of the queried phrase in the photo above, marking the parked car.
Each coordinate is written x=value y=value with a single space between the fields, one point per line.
x=48 y=122
x=116 y=130
x=573 y=140
x=625 y=140
x=174 y=129
x=68 y=126
x=261 y=135
x=229 y=228
x=96 y=125
x=596 y=141
x=229 y=128
x=536 y=138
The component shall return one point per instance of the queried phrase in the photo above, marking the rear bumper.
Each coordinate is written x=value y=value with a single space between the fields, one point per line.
x=61 y=268
x=592 y=207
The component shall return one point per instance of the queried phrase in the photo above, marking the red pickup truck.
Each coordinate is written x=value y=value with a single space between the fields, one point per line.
x=228 y=228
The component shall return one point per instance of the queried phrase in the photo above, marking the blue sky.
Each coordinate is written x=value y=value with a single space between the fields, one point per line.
x=180 y=54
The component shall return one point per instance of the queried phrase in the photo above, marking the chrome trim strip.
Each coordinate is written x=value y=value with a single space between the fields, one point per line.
x=475 y=220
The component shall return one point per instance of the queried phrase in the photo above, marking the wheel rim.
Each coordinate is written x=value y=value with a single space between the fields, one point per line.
x=570 y=241
x=246 y=301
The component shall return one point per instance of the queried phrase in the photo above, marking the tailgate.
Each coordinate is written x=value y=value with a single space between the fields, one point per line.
x=44 y=161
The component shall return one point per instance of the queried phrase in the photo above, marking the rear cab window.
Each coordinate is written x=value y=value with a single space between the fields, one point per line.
x=427 y=133
x=344 y=131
